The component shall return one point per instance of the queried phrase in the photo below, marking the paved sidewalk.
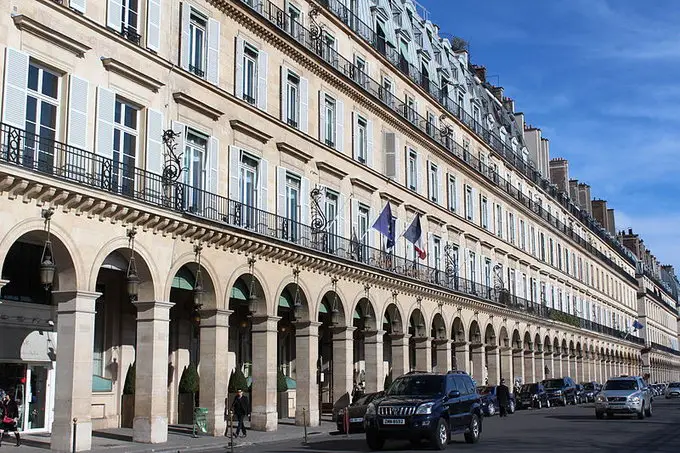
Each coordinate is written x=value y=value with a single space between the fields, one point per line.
x=179 y=440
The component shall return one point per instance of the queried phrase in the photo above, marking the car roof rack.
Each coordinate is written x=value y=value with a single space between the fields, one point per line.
x=456 y=372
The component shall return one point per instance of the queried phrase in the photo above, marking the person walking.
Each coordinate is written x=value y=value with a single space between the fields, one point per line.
x=503 y=396
x=241 y=408
x=9 y=413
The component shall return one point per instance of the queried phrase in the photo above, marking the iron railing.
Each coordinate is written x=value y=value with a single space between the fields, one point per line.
x=663 y=348
x=48 y=157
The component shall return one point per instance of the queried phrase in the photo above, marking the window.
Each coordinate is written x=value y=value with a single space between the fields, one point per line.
x=330 y=118
x=249 y=182
x=130 y=20
x=511 y=227
x=543 y=296
x=436 y=251
x=125 y=135
x=551 y=251
x=532 y=234
x=469 y=203
x=434 y=182
x=484 y=211
x=250 y=56
x=410 y=108
x=472 y=271
x=361 y=66
x=431 y=123
x=292 y=99
x=534 y=289
x=361 y=139
x=42 y=111
x=499 y=221
x=487 y=273
x=195 y=152
x=292 y=211
x=362 y=234
x=452 y=191
x=296 y=21
x=197 y=45
x=412 y=175
x=386 y=90
x=522 y=235
x=475 y=114
x=559 y=256
x=542 y=243
x=331 y=209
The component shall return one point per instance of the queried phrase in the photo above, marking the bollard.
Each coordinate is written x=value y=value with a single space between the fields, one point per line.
x=304 y=424
x=231 y=431
x=75 y=424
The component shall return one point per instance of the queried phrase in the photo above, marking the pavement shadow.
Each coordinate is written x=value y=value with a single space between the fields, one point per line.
x=113 y=436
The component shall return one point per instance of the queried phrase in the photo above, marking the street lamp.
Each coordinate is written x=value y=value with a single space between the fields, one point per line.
x=132 y=276
x=335 y=313
x=47 y=265
x=252 y=299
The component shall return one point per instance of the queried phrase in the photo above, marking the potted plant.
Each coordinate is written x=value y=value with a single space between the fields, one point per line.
x=127 y=407
x=388 y=381
x=188 y=392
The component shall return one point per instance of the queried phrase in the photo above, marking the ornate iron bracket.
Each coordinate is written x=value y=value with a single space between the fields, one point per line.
x=172 y=167
x=315 y=29
x=319 y=220
x=451 y=269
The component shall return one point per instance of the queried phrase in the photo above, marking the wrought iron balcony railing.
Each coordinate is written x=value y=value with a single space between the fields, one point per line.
x=63 y=162
x=131 y=34
x=663 y=348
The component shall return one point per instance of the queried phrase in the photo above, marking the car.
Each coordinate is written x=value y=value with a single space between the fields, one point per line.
x=625 y=395
x=580 y=394
x=490 y=404
x=532 y=395
x=425 y=406
x=560 y=390
x=673 y=390
x=590 y=390
x=351 y=419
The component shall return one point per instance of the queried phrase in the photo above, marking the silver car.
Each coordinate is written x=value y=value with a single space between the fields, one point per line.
x=625 y=395
x=673 y=390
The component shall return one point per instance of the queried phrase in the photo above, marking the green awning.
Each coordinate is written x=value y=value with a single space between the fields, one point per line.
x=239 y=291
x=356 y=314
x=323 y=308
x=184 y=279
x=101 y=384
x=292 y=385
x=283 y=301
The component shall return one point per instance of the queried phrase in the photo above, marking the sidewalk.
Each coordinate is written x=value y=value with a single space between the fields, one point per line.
x=119 y=440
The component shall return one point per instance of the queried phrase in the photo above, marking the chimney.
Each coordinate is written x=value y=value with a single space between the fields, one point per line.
x=611 y=222
x=573 y=191
x=498 y=93
x=584 y=198
x=509 y=104
x=600 y=213
x=480 y=72
x=559 y=173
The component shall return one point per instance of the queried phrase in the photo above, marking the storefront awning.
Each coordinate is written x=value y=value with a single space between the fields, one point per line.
x=184 y=279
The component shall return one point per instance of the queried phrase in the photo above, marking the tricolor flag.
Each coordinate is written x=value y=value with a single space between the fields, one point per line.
x=414 y=234
x=637 y=325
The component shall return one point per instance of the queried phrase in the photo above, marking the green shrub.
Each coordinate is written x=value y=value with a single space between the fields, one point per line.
x=237 y=380
x=129 y=386
x=189 y=382
x=281 y=382
x=388 y=381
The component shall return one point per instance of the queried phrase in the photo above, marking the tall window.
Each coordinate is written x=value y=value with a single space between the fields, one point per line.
x=361 y=139
x=431 y=123
x=331 y=211
x=130 y=20
x=511 y=227
x=532 y=234
x=248 y=187
x=42 y=108
x=195 y=152
x=434 y=182
x=412 y=175
x=542 y=243
x=361 y=69
x=410 y=106
x=484 y=213
x=330 y=117
x=559 y=256
x=472 y=263
x=197 y=44
x=125 y=135
x=499 y=221
x=437 y=251
x=551 y=251
x=362 y=223
x=487 y=272
x=522 y=235
x=453 y=195
x=292 y=205
x=250 y=55
x=469 y=203
x=293 y=99
x=296 y=20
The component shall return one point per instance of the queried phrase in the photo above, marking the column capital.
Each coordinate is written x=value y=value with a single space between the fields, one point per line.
x=528 y=352
x=421 y=340
x=155 y=310
x=476 y=346
x=215 y=317
x=75 y=301
x=3 y=283
x=374 y=335
x=336 y=330
x=491 y=347
x=306 y=328
x=460 y=344
x=441 y=342
x=264 y=323
x=399 y=336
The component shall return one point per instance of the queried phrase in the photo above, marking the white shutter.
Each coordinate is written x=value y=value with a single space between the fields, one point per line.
x=181 y=130
x=355 y=218
x=339 y=125
x=238 y=82
x=16 y=83
x=281 y=191
x=397 y=158
x=154 y=141
x=370 y=233
x=262 y=80
x=322 y=117
x=153 y=25
x=284 y=98
x=304 y=105
x=77 y=112
x=389 y=144
x=397 y=238
x=214 y=165
x=304 y=201
x=440 y=188
x=106 y=106
x=77 y=5
x=420 y=183
x=354 y=135
x=114 y=14
x=234 y=167
x=430 y=250
x=264 y=181
x=214 y=36
x=185 y=37
x=369 y=143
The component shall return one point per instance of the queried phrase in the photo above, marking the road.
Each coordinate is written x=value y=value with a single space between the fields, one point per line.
x=558 y=429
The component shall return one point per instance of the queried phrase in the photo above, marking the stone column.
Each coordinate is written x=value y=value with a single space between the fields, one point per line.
x=477 y=356
x=423 y=354
x=265 y=353
x=557 y=365
x=548 y=361
x=462 y=362
x=539 y=365
x=443 y=352
x=214 y=367
x=517 y=365
x=400 y=365
x=375 y=367
x=492 y=365
x=307 y=389
x=150 y=424
x=566 y=365
x=573 y=371
x=506 y=365
x=343 y=366
x=73 y=386
x=529 y=370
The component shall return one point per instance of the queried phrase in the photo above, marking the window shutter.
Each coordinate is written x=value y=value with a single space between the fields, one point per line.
x=440 y=188
x=304 y=105
x=234 y=166
x=474 y=198
x=181 y=129
x=430 y=250
x=419 y=173
x=264 y=181
x=77 y=5
x=281 y=191
x=354 y=136
x=390 y=155
x=369 y=143
x=304 y=201
x=185 y=38
x=397 y=238
x=355 y=218
x=322 y=117
x=262 y=80
x=114 y=14
x=342 y=202
x=154 y=141
x=398 y=158
x=214 y=35
x=339 y=126
x=106 y=105
x=77 y=112
x=284 y=98
x=16 y=83
x=214 y=165
x=153 y=25
x=428 y=180
x=238 y=82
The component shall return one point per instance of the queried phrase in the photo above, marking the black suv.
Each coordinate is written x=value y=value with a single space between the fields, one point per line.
x=426 y=406
x=561 y=390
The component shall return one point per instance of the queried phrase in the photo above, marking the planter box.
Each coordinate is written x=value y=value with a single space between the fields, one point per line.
x=185 y=409
x=286 y=404
x=127 y=411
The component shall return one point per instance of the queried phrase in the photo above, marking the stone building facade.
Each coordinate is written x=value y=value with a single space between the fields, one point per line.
x=194 y=182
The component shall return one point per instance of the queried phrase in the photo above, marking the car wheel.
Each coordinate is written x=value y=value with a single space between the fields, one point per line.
x=564 y=401
x=641 y=414
x=474 y=430
x=599 y=415
x=441 y=437
x=648 y=411
x=375 y=441
x=547 y=403
x=492 y=410
x=539 y=405
x=511 y=407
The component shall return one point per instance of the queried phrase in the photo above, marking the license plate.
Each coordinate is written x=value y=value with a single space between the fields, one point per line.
x=394 y=421
x=356 y=420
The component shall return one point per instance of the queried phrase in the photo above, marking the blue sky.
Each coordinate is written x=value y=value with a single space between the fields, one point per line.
x=602 y=80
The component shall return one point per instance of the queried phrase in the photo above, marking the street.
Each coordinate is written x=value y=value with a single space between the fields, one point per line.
x=560 y=429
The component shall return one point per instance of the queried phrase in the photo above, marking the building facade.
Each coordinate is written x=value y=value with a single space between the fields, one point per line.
x=194 y=182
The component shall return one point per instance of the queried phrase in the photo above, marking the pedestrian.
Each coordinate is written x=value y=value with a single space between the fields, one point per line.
x=9 y=413
x=503 y=396
x=241 y=408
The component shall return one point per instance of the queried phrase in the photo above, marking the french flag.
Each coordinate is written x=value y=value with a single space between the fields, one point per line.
x=414 y=234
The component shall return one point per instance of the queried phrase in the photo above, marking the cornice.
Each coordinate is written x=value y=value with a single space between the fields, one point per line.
x=32 y=26
x=245 y=128
x=196 y=105
x=436 y=220
x=360 y=183
x=331 y=170
x=391 y=198
x=414 y=209
x=117 y=67
x=294 y=152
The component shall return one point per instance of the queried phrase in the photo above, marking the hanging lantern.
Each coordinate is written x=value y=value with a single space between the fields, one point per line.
x=252 y=298
x=297 y=303
x=132 y=277
x=48 y=267
x=335 y=313
x=198 y=285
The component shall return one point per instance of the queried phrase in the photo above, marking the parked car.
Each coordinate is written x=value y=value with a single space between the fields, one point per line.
x=532 y=395
x=624 y=395
x=353 y=415
x=561 y=390
x=580 y=394
x=425 y=406
x=673 y=390
x=591 y=389
x=490 y=404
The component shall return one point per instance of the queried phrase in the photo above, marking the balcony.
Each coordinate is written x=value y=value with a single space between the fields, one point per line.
x=131 y=34
x=60 y=161
x=196 y=70
x=660 y=347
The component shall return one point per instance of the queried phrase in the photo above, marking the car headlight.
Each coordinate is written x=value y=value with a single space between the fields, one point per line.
x=370 y=410
x=558 y=392
x=601 y=399
x=634 y=399
x=424 y=409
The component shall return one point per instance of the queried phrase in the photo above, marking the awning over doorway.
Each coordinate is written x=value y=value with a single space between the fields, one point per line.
x=184 y=279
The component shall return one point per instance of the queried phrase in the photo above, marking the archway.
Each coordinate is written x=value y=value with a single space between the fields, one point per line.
x=491 y=356
x=477 y=353
x=529 y=369
x=441 y=345
x=517 y=359
x=334 y=366
x=539 y=362
x=506 y=355
x=368 y=348
x=419 y=344
x=396 y=344
x=459 y=346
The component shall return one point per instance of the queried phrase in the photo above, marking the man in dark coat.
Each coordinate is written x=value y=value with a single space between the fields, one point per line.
x=503 y=396
x=241 y=408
